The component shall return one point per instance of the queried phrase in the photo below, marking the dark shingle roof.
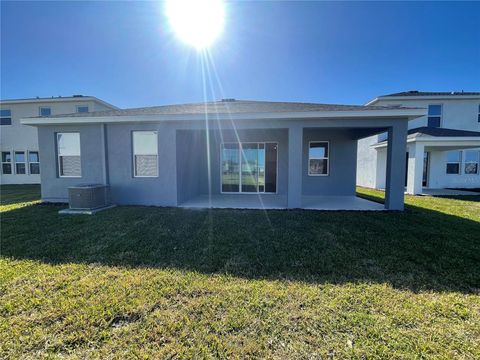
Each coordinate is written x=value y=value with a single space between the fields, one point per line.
x=230 y=106
x=441 y=132
x=432 y=93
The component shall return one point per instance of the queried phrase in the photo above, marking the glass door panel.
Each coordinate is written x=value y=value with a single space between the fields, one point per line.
x=249 y=167
x=271 y=167
x=261 y=167
x=230 y=168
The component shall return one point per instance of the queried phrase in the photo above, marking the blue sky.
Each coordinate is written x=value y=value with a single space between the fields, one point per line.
x=124 y=52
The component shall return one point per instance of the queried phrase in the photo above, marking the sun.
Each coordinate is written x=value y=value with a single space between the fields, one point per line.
x=197 y=22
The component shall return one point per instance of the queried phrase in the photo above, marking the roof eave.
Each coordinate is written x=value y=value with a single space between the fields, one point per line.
x=406 y=114
x=423 y=97
x=432 y=139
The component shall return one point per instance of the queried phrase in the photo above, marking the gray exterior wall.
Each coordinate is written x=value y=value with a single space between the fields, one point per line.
x=18 y=137
x=55 y=188
x=125 y=189
x=342 y=168
x=183 y=161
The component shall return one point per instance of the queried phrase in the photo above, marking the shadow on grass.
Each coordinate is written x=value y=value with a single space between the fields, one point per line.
x=12 y=194
x=419 y=249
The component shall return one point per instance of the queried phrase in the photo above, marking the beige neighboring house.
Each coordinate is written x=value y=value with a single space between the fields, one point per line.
x=20 y=155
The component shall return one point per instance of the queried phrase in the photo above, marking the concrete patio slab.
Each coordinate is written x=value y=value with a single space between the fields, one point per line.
x=272 y=201
x=447 y=192
x=84 y=211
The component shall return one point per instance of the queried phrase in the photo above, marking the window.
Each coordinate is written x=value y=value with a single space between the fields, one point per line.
x=471 y=161
x=479 y=113
x=69 y=160
x=318 y=154
x=6 y=162
x=20 y=163
x=45 y=111
x=34 y=162
x=145 y=153
x=434 y=115
x=5 y=117
x=82 y=109
x=249 y=167
x=454 y=159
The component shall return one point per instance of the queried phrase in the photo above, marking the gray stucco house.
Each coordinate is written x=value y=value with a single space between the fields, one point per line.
x=229 y=153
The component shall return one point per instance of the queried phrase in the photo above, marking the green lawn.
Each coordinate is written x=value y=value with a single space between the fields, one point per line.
x=176 y=283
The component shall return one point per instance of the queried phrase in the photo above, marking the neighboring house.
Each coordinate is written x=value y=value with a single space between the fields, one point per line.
x=443 y=147
x=229 y=153
x=20 y=155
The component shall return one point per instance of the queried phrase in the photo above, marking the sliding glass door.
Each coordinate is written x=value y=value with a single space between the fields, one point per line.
x=249 y=167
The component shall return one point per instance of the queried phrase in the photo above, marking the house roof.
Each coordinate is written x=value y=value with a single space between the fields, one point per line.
x=433 y=93
x=426 y=95
x=57 y=99
x=441 y=132
x=431 y=132
x=229 y=106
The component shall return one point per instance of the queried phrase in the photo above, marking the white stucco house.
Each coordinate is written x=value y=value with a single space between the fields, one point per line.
x=20 y=155
x=443 y=147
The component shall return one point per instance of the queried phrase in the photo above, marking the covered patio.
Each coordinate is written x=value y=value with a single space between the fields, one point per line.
x=426 y=147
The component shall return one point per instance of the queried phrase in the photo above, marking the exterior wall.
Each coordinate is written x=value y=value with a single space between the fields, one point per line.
x=18 y=137
x=125 y=189
x=456 y=113
x=438 y=178
x=192 y=166
x=55 y=188
x=367 y=162
x=461 y=114
x=342 y=164
x=183 y=160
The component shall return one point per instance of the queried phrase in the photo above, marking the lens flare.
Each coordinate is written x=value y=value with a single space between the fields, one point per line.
x=196 y=22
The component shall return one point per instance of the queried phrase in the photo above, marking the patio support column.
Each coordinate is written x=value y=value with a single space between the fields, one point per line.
x=295 y=151
x=415 y=168
x=395 y=181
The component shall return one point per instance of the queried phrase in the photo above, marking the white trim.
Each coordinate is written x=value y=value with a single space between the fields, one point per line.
x=240 y=192
x=133 y=155
x=406 y=114
x=318 y=158
x=58 y=153
x=424 y=97
x=431 y=140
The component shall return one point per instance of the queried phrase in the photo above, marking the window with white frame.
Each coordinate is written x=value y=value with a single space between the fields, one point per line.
x=454 y=159
x=20 y=163
x=5 y=117
x=68 y=151
x=44 y=111
x=33 y=162
x=471 y=158
x=145 y=153
x=318 y=158
x=82 y=108
x=434 y=115
x=6 y=162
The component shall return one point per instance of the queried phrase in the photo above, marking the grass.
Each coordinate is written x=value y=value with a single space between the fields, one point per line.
x=174 y=283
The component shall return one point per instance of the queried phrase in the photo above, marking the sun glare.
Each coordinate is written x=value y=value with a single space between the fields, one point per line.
x=197 y=22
